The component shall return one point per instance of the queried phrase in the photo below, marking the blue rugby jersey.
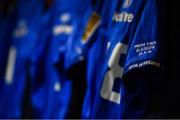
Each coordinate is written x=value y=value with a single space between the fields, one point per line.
x=54 y=88
x=36 y=64
x=110 y=100
x=136 y=44
x=22 y=42
x=6 y=28
x=96 y=53
x=57 y=88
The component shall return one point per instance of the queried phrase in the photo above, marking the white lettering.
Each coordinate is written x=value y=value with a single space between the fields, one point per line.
x=123 y=17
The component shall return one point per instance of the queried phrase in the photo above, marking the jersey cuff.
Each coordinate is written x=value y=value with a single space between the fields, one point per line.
x=143 y=63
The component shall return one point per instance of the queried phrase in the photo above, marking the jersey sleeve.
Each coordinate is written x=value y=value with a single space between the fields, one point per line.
x=146 y=49
x=80 y=41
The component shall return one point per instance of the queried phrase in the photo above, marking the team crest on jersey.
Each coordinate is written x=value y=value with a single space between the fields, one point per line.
x=127 y=3
x=91 y=27
x=21 y=30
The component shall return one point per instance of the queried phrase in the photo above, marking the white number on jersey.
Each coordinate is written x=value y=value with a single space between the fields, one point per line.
x=116 y=71
x=10 y=66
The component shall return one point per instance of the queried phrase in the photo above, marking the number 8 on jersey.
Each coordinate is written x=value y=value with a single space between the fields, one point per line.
x=115 y=71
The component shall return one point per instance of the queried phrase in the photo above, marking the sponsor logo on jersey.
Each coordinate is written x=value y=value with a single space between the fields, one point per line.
x=62 y=29
x=123 y=17
x=91 y=27
x=144 y=63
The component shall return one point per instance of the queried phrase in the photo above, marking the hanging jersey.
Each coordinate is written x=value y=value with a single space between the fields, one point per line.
x=109 y=101
x=70 y=56
x=51 y=96
x=23 y=39
x=36 y=68
x=96 y=54
x=58 y=87
x=6 y=28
